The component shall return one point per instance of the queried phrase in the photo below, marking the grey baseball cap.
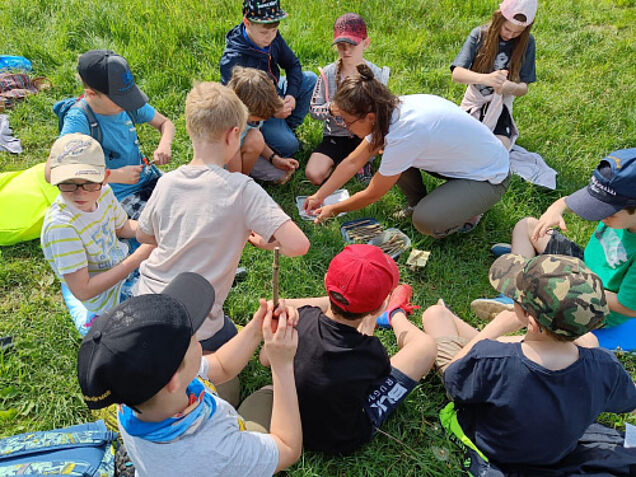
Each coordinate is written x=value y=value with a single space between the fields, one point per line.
x=110 y=74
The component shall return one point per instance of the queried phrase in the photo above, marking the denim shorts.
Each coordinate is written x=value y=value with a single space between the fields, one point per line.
x=559 y=244
x=386 y=394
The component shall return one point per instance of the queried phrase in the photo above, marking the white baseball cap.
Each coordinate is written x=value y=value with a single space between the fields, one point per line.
x=76 y=156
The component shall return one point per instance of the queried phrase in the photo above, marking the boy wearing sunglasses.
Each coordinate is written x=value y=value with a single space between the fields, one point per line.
x=81 y=229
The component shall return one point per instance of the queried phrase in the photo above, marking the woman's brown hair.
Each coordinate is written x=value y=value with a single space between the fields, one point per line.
x=485 y=60
x=361 y=94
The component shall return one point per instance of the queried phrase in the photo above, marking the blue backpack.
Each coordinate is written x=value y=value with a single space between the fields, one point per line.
x=86 y=450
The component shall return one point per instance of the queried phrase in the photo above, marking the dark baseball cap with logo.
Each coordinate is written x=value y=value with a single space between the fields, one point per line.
x=110 y=74
x=133 y=350
x=612 y=187
x=263 y=11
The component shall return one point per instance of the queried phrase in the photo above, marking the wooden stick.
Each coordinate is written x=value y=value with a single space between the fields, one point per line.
x=275 y=276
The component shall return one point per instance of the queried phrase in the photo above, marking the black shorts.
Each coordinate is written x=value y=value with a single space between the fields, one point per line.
x=504 y=124
x=559 y=244
x=337 y=147
x=386 y=394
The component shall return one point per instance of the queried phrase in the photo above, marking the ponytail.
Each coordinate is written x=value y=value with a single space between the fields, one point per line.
x=361 y=94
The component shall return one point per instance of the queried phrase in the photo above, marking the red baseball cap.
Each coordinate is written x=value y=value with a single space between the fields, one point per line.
x=363 y=275
x=349 y=28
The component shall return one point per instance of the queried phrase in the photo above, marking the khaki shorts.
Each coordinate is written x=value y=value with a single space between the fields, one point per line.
x=447 y=349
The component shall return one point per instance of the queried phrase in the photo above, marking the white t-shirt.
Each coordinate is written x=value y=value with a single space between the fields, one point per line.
x=72 y=239
x=214 y=447
x=201 y=218
x=435 y=135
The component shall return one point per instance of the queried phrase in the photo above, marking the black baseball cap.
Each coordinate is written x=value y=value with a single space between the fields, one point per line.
x=612 y=187
x=133 y=350
x=110 y=74
x=263 y=11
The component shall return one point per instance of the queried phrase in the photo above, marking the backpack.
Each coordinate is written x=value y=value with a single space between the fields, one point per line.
x=86 y=450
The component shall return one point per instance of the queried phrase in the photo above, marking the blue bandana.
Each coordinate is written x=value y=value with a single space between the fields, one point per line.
x=174 y=427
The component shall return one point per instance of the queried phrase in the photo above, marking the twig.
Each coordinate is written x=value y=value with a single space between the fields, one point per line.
x=275 y=276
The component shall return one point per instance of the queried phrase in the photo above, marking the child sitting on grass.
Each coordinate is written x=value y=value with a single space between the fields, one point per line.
x=611 y=251
x=200 y=215
x=257 y=43
x=347 y=383
x=256 y=158
x=111 y=93
x=81 y=230
x=351 y=40
x=527 y=400
x=144 y=355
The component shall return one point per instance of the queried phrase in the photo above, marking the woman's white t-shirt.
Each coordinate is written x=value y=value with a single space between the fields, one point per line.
x=435 y=135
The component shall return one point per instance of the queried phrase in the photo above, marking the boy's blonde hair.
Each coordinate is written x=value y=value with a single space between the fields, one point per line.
x=211 y=109
x=257 y=91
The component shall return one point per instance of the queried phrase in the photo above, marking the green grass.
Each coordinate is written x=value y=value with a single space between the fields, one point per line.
x=581 y=108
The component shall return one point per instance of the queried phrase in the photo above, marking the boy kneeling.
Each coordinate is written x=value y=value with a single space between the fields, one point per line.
x=527 y=400
x=144 y=355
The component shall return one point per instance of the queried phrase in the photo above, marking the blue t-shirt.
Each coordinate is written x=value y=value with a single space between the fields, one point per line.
x=119 y=140
x=518 y=412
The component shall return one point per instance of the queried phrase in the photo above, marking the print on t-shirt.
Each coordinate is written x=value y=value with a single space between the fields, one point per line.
x=615 y=253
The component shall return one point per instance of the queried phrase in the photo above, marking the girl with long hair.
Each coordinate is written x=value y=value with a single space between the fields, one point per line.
x=418 y=132
x=497 y=62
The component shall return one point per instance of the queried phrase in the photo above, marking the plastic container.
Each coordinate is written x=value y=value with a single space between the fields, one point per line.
x=348 y=226
x=337 y=196
x=386 y=236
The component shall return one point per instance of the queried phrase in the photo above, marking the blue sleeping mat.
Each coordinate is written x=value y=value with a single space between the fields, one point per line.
x=621 y=336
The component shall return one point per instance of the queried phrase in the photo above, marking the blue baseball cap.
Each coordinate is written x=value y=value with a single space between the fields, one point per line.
x=612 y=187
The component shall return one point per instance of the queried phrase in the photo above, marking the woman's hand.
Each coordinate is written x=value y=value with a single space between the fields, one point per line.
x=312 y=203
x=325 y=212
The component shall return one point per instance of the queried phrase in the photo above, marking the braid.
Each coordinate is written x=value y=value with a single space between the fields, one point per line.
x=338 y=73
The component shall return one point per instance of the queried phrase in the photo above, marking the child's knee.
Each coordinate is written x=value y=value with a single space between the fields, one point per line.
x=433 y=314
x=253 y=143
x=526 y=226
x=314 y=176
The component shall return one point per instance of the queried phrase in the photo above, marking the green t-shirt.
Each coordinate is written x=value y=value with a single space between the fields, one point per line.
x=611 y=254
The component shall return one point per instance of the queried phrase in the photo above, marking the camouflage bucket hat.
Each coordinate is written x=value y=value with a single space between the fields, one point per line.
x=560 y=292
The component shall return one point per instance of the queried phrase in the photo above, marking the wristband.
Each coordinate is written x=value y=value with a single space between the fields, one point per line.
x=271 y=157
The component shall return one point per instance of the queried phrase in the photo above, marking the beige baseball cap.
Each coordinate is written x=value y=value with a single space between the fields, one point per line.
x=76 y=156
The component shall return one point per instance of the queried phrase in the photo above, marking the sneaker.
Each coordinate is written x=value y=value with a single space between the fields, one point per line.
x=399 y=299
x=365 y=174
x=470 y=225
x=404 y=213
x=488 y=308
x=500 y=249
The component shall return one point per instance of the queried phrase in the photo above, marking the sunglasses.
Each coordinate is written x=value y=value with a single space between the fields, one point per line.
x=72 y=186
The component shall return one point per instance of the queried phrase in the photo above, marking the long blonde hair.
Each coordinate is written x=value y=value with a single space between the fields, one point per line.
x=485 y=60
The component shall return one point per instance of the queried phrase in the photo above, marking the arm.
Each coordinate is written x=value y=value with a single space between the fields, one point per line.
x=515 y=89
x=143 y=237
x=163 y=153
x=504 y=323
x=290 y=63
x=85 y=287
x=284 y=163
x=230 y=359
x=128 y=230
x=376 y=189
x=616 y=306
x=291 y=240
x=552 y=217
x=345 y=171
x=285 y=426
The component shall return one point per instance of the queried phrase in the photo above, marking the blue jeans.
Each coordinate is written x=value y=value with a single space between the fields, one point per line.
x=279 y=133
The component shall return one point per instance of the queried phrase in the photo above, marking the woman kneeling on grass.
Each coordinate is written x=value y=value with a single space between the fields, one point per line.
x=418 y=132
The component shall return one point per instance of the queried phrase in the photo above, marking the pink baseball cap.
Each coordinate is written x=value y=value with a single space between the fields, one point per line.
x=527 y=8
x=363 y=275
x=349 y=28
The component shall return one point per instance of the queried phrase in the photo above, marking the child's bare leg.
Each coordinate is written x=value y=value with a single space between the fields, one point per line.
x=522 y=242
x=438 y=321
x=251 y=149
x=318 y=168
x=417 y=350
x=235 y=164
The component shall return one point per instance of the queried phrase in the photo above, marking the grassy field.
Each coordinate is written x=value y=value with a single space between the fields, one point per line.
x=581 y=108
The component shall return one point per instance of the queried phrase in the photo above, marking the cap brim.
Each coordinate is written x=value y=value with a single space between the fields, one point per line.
x=281 y=16
x=131 y=100
x=195 y=293
x=583 y=204
x=347 y=39
x=504 y=272
x=77 y=171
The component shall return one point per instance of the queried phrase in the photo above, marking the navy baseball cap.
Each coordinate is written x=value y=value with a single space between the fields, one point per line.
x=612 y=187
x=133 y=350
x=110 y=74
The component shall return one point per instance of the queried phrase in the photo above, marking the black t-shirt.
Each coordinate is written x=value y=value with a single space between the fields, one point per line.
x=516 y=411
x=466 y=57
x=333 y=367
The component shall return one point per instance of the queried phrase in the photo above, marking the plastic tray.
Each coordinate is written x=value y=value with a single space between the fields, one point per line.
x=337 y=196
x=387 y=235
x=344 y=228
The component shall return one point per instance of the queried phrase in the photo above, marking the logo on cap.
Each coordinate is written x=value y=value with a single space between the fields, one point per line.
x=127 y=79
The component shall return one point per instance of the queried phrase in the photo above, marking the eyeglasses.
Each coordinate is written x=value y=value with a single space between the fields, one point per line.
x=72 y=186
x=340 y=121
